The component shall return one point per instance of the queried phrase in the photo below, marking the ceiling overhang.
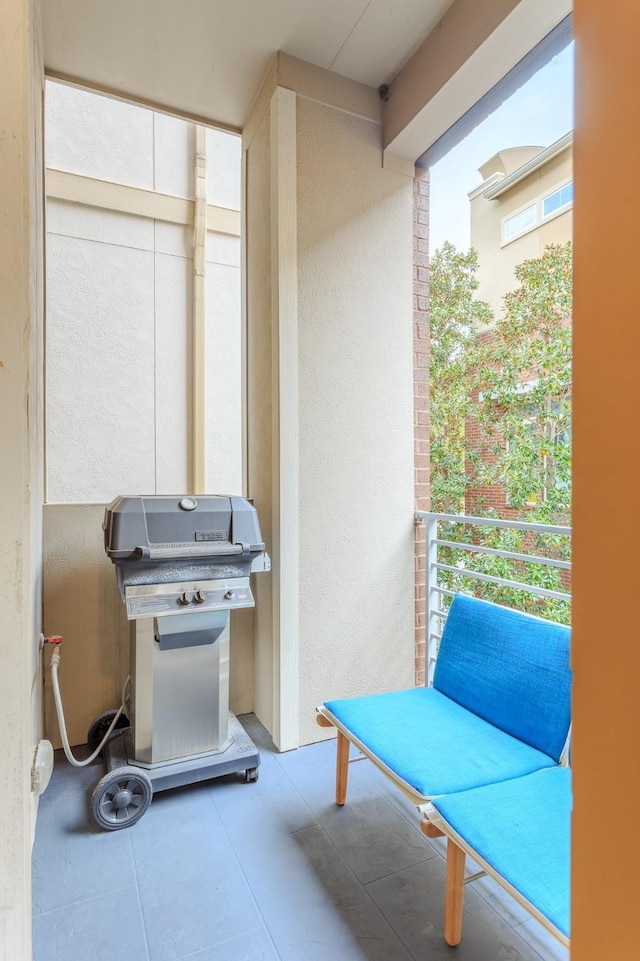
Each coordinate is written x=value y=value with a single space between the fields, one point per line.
x=474 y=46
x=207 y=60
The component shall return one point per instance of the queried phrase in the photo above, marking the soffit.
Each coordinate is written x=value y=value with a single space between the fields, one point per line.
x=208 y=57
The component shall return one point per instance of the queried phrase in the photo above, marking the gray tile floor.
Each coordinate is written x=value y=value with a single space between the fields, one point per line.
x=228 y=871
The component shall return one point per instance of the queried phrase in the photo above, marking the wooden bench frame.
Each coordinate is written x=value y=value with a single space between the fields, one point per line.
x=431 y=824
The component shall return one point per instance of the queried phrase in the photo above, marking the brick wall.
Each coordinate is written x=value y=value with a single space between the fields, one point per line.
x=420 y=396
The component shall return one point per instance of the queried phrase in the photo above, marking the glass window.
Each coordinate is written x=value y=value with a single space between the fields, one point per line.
x=522 y=221
x=556 y=200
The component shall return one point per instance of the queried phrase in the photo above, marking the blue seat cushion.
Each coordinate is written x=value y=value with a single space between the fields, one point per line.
x=521 y=829
x=511 y=669
x=431 y=743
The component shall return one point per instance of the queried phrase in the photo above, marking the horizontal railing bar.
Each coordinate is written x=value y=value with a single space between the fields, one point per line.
x=512 y=555
x=494 y=522
x=539 y=591
x=433 y=542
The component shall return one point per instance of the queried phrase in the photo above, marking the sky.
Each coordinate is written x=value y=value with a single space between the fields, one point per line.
x=540 y=112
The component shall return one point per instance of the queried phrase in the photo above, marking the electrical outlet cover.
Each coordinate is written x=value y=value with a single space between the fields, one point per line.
x=42 y=767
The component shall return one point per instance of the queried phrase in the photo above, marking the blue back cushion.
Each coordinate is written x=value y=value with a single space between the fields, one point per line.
x=509 y=668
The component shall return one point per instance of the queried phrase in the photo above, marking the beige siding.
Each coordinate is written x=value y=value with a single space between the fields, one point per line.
x=497 y=259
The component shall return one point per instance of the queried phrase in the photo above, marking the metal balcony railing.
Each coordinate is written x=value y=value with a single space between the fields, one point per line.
x=466 y=553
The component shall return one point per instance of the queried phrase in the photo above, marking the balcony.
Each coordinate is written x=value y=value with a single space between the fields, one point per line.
x=226 y=871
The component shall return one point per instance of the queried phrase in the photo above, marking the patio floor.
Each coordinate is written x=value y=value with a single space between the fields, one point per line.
x=228 y=871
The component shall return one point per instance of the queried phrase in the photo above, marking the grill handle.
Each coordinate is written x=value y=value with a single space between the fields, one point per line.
x=184 y=553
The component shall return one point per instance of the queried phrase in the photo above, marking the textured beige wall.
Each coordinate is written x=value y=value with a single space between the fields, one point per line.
x=355 y=249
x=21 y=81
x=355 y=408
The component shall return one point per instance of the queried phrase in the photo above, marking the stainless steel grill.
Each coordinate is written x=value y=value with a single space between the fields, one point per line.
x=183 y=564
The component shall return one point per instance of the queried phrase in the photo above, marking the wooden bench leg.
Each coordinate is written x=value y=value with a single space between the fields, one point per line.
x=342 y=768
x=342 y=760
x=454 y=897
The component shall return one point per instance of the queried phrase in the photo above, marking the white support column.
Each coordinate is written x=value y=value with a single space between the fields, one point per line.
x=284 y=306
x=330 y=405
x=199 y=266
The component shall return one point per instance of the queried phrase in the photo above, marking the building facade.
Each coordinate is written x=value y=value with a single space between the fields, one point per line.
x=524 y=203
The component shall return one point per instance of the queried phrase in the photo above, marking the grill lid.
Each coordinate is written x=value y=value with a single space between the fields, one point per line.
x=160 y=528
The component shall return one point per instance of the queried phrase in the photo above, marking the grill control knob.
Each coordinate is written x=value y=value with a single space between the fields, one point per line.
x=199 y=597
x=229 y=595
x=184 y=599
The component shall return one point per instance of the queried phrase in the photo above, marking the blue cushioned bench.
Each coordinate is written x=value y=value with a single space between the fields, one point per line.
x=499 y=710
x=519 y=833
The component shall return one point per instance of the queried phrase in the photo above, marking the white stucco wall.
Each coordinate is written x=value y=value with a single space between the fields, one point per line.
x=98 y=137
x=355 y=334
x=119 y=309
x=224 y=157
x=118 y=371
x=354 y=474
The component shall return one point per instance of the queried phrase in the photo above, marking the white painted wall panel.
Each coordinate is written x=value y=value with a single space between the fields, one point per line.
x=119 y=382
x=223 y=249
x=173 y=239
x=173 y=293
x=173 y=153
x=100 y=377
x=356 y=413
x=223 y=399
x=93 y=223
x=98 y=137
x=224 y=158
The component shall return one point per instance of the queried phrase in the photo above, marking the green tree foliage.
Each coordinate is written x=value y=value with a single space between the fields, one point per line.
x=454 y=317
x=523 y=375
x=516 y=384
